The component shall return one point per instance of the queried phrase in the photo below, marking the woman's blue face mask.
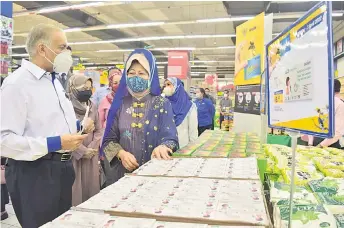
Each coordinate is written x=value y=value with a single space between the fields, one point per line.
x=138 y=77
x=137 y=84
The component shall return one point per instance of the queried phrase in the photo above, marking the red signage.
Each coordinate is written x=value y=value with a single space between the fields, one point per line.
x=178 y=64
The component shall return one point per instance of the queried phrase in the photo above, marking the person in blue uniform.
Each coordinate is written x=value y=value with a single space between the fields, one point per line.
x=205 y=110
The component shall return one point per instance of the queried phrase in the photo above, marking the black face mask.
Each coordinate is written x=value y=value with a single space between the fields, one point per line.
x=84 y=96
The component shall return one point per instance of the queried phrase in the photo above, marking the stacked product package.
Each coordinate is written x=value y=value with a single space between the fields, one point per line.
x=223 y=144
x=79 y=219
x=319 y=194
x=195 y=200
x=224 y=168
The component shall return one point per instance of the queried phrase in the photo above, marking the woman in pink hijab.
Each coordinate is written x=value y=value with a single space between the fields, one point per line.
x=114 y=77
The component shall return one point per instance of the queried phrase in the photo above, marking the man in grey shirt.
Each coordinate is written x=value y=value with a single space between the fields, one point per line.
x=225 y=106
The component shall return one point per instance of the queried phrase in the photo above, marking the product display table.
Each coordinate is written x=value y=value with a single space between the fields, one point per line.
x=186 y=191
x=81 y=219
x=195 y=200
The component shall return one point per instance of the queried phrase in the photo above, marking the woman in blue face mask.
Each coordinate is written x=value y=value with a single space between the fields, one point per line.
x=140 y=123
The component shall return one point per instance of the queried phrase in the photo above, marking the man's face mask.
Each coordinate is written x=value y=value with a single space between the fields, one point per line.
x=62 y=61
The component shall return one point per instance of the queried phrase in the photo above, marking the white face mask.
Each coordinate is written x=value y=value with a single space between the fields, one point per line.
x=62 y=61
x=168 y=91
x=225 y=95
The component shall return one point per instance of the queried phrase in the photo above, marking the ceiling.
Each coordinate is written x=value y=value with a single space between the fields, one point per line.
x=212 y=52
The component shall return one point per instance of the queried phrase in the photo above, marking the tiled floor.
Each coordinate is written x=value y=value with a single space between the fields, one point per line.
x=12 y=219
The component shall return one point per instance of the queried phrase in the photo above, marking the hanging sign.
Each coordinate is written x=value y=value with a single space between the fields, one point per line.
x=249 y=53
x=300 y=75
x=178 y=64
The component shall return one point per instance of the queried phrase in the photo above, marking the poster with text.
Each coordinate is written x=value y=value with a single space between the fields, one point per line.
x=247 y=99
x=249 y=52
x=6 y=28
x=300 y=75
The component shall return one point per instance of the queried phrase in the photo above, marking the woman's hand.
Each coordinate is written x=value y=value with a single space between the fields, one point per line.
x=162 y=152
x=90 y=152
x=128 y=160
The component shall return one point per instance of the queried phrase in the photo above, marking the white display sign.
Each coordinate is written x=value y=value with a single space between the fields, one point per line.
x=300 y=75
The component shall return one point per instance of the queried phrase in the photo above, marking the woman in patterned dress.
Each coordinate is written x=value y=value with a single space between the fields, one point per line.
x=140 y=124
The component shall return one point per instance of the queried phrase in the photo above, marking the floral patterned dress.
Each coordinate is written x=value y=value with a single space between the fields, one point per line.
x=140 y=127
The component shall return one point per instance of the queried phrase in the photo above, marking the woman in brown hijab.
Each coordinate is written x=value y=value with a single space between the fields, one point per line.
x=85 y=158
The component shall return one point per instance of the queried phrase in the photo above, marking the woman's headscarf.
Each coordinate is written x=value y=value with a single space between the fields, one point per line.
x=77 y=83
x=147 y=60
x=180 y=101
x=111 y=95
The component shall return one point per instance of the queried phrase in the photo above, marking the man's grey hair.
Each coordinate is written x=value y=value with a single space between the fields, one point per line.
x=41 y=33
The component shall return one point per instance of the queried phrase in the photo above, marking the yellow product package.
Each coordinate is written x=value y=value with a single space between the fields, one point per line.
x=337 y=173
x=334 y=163
x=302 y=175
x=335 y=151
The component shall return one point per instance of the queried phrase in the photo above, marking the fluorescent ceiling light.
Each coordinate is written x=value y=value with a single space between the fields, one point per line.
x=20 y=55
x=117 y=50
x=225 y=19
x=70 y=7
x=151 y=38
x=72 y=30
x=133 y=25
x=174 y=49
x=159 y=23
x=17 y=46
x=226 y=47
x=337 y=14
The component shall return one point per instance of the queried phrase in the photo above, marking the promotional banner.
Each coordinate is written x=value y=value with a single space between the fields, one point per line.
x=178 y=64
x=210 y=81
x=247 y=99
x=6 y=28
x=300 y=75
x=249 y=52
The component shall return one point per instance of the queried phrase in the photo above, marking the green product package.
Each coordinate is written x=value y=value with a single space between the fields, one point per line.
x=310 y=216
x=340 y=220
x=202 y=153
x=223 y=154
x=281 y=191
x=329 y=191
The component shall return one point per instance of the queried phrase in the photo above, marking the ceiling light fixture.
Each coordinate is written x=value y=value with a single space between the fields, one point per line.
x=116 y=50
x=134 y=25
x=62 y=8
x=72 y=30
x=70 y=7
x=151 y=38
x=174 y=49
x=225 y=19
x=17 y=46
x=20 y=55
x=337 y=14
x=159 y=23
